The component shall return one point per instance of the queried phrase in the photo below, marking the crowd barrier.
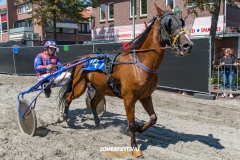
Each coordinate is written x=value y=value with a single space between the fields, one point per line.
x=180 y=73
x=235 y=79
x=185 y=73
x=20 y=61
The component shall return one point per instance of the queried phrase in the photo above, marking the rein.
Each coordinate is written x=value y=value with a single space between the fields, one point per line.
x=173 y=38
x=74 y=61
x=63 y=77
x=151 y=49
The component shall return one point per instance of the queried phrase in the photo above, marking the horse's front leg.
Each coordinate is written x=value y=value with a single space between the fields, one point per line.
x=129 y=104
x=148 y=106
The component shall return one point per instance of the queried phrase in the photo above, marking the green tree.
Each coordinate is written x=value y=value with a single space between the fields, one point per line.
x=213 y=6
x=57 y=10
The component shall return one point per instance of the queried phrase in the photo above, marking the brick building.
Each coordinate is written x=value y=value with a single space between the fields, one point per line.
x=15 y=27
x=113 y=22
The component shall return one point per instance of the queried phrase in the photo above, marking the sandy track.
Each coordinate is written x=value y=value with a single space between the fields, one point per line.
x=187 y=128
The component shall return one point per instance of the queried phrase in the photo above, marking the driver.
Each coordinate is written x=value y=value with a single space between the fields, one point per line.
x=46 y=63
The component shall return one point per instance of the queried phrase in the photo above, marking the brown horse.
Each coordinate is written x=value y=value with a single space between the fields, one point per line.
x=136 y=81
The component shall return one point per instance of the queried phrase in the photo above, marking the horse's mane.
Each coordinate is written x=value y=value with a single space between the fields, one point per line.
x=137 y=42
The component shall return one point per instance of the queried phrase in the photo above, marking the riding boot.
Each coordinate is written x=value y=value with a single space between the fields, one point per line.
x=47 y=90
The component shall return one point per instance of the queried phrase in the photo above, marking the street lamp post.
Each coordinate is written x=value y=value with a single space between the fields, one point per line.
x=1 y=26
x=133 y=19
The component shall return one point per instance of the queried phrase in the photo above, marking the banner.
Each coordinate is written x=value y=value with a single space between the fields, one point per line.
x=201 y=26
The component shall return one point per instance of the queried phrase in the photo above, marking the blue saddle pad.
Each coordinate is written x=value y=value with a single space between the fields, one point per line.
x=94 y=64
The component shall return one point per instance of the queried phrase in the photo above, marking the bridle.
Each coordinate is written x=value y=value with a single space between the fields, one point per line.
x=174 y=39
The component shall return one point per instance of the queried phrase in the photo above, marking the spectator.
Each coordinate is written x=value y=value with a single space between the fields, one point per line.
x=169 y=8
x=228 y=61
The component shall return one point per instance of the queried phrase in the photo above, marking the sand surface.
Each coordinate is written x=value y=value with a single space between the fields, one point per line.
x=187 y=128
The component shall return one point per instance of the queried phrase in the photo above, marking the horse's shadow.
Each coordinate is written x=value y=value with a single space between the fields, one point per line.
x=43 y=131
x=83 y=114
x=163 y=137
x=156 y=135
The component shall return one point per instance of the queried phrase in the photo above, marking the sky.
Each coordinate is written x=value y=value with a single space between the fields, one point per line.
x=2 y=2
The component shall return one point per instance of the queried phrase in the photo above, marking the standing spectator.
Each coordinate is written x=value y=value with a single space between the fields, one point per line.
x=228 y=61
x=169 y=8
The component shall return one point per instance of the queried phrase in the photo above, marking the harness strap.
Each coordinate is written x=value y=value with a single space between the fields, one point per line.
x=145 y=68
x=136 y=62
x=141 y=65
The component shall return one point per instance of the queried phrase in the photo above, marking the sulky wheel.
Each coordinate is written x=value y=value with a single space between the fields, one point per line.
x=101 y=108
x=27 y=124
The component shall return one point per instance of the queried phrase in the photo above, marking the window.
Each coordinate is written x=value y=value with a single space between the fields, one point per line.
x=143 y=7
x=110 y=11
x=23 y=23
x=192 y=4
x=79 y=28
x=29 y=23
x=18 y=10
x=88 y=28
x=67 y=30
x=171 y=3
x=28 y=7
x=102 y=12
x=69 y=21
x=133 y=2
x=3 y=24
x=50 y=30
x=21 y=9
x=4 y=27
x=24 y=8
x=3 y=17
x=84 y=28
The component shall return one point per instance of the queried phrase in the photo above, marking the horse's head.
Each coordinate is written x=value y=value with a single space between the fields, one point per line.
x=172 y=33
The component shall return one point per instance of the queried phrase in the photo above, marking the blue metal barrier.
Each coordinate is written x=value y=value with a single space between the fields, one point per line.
x=222 y=88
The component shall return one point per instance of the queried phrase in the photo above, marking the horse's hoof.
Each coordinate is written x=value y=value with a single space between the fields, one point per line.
x=61 y=119
x=98 y=127
x=137 y=153
x=137 y=129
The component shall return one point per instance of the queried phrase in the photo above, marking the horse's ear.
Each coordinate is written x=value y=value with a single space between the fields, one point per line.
x=160 y=12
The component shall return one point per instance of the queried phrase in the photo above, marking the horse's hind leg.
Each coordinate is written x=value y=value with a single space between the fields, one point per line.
x=94 y=103
x=148 y=106
x=64 y=116
x=78 y=89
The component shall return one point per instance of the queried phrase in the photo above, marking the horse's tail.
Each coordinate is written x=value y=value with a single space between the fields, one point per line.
x=64 y=90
